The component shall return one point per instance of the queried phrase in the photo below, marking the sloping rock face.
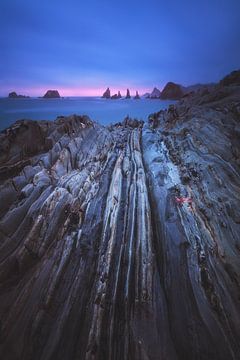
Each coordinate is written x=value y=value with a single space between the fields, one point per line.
x=123 y=242
x=155 y=94
x=232 y=78
x=172 y=91
x=51 y=94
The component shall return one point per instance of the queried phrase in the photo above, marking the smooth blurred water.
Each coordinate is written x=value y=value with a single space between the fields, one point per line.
x=98 y=109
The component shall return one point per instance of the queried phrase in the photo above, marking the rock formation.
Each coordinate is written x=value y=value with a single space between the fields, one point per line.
x=128 y=96
x=197 y=88
x=155 y=94
x=122 y=242
x=137 y=97
x=107 y=94
x=232 y=78
x=14 y=95
x=116 y=96
x=172 y=91
x=146 y=95
x=50 y=94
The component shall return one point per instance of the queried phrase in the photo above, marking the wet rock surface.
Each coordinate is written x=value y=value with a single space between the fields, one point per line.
x=123 y=242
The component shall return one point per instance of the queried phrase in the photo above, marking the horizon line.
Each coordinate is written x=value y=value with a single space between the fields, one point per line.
x=71 y=92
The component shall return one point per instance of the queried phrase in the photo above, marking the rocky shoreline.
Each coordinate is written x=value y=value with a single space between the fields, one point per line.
x=122 y=242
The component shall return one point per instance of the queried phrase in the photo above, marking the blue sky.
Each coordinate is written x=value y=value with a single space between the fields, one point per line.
x=81 y=47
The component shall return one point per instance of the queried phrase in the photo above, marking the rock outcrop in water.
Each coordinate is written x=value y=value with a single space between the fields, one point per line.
x=14 y=95
x=123 y=242
x=172 y=91
x=128 y=96
x=116 y=96
x=51 y=94
x=137 y=97
x=107 y=94
x=155 y=94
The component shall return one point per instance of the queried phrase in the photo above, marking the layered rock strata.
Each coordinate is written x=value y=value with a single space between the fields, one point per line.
x=122 y=242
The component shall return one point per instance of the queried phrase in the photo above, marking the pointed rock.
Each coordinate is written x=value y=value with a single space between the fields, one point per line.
x=128 y=96
x=137 y=97
x=107 y=94
x=155 y=94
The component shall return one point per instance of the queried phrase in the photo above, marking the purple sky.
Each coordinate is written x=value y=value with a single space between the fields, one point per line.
x=82 y=47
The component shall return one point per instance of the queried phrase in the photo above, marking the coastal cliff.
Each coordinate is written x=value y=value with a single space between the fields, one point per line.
x=122 y=242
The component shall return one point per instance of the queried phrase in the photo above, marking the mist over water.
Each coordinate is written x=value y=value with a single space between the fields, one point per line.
x=98 y=109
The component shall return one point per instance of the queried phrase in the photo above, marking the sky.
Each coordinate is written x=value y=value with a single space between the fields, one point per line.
x=82 y=47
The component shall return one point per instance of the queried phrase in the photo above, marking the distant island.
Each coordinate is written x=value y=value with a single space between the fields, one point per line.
x=14 y=95
x=51 y=94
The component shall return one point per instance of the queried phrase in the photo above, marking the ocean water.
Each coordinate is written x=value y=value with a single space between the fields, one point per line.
x=101 y=110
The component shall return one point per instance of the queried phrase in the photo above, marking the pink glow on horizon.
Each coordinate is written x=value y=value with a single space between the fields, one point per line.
x=68 y=91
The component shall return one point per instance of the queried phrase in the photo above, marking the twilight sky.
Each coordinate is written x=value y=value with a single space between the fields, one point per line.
x=81 y=47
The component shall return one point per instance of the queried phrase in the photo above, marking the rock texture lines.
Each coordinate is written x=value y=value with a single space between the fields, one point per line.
x=100 y=258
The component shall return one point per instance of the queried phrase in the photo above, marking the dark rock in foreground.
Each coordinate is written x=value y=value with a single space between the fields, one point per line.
x=14 y=95
x=123 y=242
x=51 y=94
x=172 y=91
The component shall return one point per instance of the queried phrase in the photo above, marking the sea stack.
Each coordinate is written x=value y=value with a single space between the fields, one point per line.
x=128 y=96
x=107 y=94
x=172 y=91
x=116 y=96
x=155 y=94
x=51 y=94
x=137 y=97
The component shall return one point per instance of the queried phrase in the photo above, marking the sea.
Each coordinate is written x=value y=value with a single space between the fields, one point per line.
x=104 y=111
